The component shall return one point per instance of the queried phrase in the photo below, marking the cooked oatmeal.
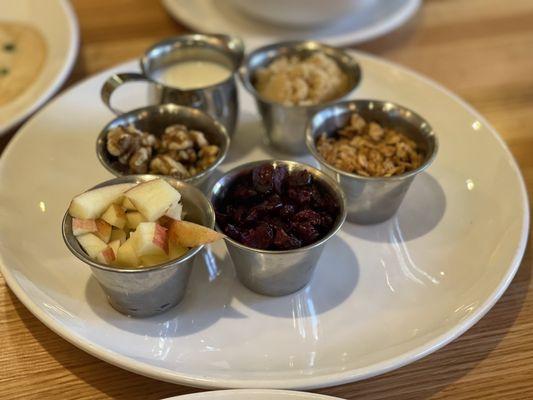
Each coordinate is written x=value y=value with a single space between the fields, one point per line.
x=293 y=81
x=369 y=149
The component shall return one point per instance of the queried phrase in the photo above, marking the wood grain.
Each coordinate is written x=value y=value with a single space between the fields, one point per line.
x=482 y=50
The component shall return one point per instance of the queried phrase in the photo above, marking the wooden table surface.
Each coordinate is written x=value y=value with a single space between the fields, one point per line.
x=480 y=49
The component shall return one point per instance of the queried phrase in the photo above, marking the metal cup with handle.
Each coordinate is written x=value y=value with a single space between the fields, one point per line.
x=219 y=100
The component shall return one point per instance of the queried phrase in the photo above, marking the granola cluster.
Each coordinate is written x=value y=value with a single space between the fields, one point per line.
x=295 y=81
x=369 y=149
x=179 y=152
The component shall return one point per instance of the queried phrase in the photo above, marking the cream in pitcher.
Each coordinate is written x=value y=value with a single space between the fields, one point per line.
x=193 y=74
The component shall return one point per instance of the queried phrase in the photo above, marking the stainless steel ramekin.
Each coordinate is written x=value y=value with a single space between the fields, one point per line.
x=270 y=272
x=143 y=292
x=285 y=125
x=372 y=200
x=154 y=120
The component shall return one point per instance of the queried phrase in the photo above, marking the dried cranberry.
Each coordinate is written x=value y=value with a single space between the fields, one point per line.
x=284 y=241
x=318 y=199
x=306 y=232
x=259 y=237
x=329 y=203
x=299 y=178
x=309 y=216
x=276 y=222
x=272 y=203
x=300 y=195
x=272 y=208
x=237 y=213
x=326 y=221
x=242 y=192
x=254 y=214
x=287 y=210
x=279 y=177
x=232 y=232
x=262 y=178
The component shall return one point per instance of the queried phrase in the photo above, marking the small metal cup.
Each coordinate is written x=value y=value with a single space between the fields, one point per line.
x=143 y=292
x=372 y=199
x=285 y=125
x=155 y=119
x=270 y=272
x=219 y=100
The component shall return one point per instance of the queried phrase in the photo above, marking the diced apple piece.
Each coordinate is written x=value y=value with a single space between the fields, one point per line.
x=103 y=230
x=106 y=256
x=92 y=204
x=151 y=240
x=92 y=244
x=115 y=216
x=118 y=234
x=175 y=250
x=114 y=244
x=82 y=226
x=134 y=218
x=149 y=261
x=153 y=198
x=189 y=234
x=128 y=205
x=126 y=256
x=174 y=211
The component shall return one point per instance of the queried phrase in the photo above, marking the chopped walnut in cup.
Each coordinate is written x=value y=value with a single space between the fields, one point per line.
x=370 y=149
x=179 y=152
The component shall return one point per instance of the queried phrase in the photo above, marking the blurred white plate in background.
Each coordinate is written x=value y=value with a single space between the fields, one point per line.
x=252 y=394
x=57 y=24
x=370 y=19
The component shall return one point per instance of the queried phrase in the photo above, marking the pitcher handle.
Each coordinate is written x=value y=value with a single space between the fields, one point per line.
x=113 y=82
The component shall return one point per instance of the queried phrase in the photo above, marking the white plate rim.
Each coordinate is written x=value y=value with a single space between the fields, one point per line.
x=357 y=36
x=306 y=383
x=60 y=77
x=250 y=392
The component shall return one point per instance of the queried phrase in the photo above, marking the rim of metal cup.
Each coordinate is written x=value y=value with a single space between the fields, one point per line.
x=275 y=50
x=352 y=106
x=75 y=248
x=332 y=185
x=217 y=42
x=220 y=130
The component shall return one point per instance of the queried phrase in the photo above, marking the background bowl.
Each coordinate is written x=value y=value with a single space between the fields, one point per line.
x=274 y=272
x=298 y=13
x=154 y=120
x=142 y=292
x=372 y=199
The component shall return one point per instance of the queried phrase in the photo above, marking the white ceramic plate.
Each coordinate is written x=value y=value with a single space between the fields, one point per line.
x=374 y=18
x=57 y=22
x=382 y=296
x=252 y=394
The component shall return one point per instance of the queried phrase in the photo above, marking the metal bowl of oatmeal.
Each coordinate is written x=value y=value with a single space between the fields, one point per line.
x=170 y=140
x=291 y=81
x=374 y=149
